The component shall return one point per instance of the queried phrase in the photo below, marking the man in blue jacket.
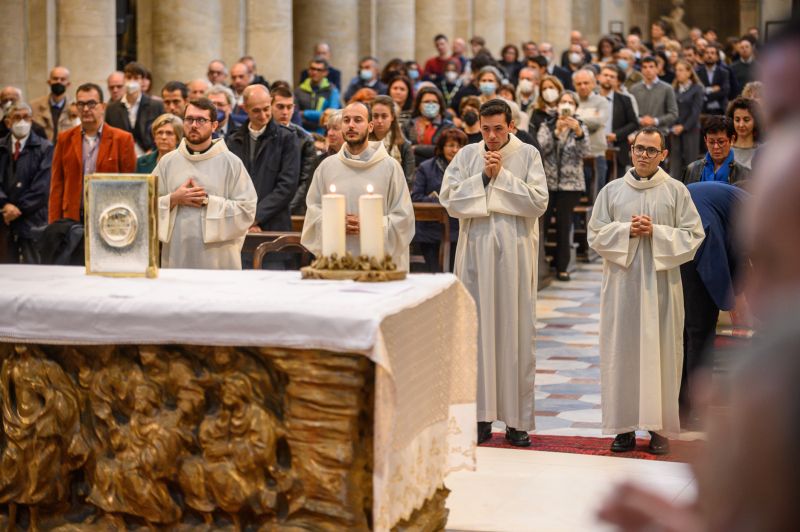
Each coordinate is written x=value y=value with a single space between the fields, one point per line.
x=25 y=160
x=315 y=95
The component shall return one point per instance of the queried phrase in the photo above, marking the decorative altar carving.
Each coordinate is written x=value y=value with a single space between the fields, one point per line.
x=187 y=437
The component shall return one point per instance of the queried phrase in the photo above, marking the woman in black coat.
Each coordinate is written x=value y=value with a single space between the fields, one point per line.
x=685 y=133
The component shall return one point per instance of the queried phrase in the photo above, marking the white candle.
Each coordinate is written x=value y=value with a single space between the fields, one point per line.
x=333 y=218
x=370 y=219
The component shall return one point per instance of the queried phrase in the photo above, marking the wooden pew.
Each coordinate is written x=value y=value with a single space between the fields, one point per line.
x=433 y=212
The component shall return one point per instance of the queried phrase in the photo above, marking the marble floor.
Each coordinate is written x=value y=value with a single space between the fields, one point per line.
x=517 y=490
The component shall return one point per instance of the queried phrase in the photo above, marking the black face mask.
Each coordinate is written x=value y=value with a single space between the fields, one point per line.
x=58 y=88
x=470 y=118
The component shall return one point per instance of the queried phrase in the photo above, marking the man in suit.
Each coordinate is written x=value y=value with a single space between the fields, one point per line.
x=95 y=147
x=716 y=80
x=622 y=120
x=136 y=111
x=553 y=69
x=25 y=159
x=52 y=110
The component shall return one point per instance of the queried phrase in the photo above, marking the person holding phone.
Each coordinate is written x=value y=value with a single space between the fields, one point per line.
x=564 y=142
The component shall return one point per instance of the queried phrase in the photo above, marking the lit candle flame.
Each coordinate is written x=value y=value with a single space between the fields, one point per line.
x=370 y=189
x=333 y=189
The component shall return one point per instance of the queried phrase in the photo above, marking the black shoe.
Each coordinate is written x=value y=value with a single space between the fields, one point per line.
x=564 y=276
x=518 y=438
x=484 y=431
x=624 y=442
x=658 y=444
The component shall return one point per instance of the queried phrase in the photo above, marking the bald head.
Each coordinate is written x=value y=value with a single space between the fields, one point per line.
x=258 y=104
x=10 y=94
x=59 y=82
x=198 y=88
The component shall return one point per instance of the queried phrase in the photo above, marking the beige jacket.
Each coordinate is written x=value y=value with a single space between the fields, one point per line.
x=43 y=117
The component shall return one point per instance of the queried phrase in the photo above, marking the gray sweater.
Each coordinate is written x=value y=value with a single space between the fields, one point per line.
x=593 y=111
x=658 y=101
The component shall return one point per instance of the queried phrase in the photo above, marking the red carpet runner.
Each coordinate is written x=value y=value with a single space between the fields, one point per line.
x=681 y=451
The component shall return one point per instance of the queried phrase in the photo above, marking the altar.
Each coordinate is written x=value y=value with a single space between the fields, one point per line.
x=245 y=399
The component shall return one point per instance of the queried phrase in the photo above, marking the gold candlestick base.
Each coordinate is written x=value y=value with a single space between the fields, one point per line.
x=362 y=269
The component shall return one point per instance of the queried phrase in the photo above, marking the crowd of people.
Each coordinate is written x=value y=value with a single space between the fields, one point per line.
x=579 y=109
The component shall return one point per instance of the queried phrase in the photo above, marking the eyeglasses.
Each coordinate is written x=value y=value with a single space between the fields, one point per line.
x=91 y=104
x=200 y=121
x=649 y=150
x=720 y=142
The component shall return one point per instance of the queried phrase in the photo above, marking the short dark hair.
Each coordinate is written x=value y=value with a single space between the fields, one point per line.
x=719 y=124
x=318 y=59
x=540 y=60
x=172 y=86
x=452 y=133
x=613 y=68
x=440 y=36
x=494 y=107
x=649 y=59
x=206 y=105
x=135 y=69
x=86 y=87
x=650 y=130
x=752 y=107
x=689 y=46
x=282 y=91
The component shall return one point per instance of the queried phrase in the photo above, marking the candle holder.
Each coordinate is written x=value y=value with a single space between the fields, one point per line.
x=362 y=269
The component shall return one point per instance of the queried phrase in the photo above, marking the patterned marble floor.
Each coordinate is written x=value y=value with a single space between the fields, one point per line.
x=567 y=357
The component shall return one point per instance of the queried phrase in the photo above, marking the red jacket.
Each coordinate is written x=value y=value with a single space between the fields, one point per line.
x=115 y=155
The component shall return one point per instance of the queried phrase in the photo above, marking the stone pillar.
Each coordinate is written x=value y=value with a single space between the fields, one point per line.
x=490 y=23
x=538 y=8
x=463 y=19
x=12 y=41
x=518 y=22
x=367 y=24
x=87 y=40
x=185 y=38
x=395 y=30
x=586 y=15
x=269 y=32
x=433 y=18
x=772 y=11
x=41 y=46
x=556 y=23
x=332 y=21
x=235 y=32
x=640 y=16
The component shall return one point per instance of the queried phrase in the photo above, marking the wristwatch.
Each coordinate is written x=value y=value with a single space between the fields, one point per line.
x=205 y=201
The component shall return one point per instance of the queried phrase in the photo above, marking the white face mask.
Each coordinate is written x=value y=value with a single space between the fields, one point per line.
x=575 y=58
x=132 y=86
x=550 y=95
x=451 y=76
x=525 y=86
x=21 y=128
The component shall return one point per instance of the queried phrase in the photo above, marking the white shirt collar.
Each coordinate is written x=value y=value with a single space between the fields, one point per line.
x=22 y=142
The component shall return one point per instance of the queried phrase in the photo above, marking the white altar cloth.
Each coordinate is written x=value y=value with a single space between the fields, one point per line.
x=420 y=332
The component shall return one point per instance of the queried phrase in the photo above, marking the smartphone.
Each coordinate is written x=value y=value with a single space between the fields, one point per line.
x=566 y=112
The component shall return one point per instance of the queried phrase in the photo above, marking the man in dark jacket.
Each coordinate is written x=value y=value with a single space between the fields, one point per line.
x=716 y=79
x=623 y=119
x=25 y=160
x=283 y=108
x=136 y=111
x=272 y=157
x=718 y=164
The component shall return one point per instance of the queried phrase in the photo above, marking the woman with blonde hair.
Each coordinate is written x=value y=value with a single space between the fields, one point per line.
x=167 y=132
x=386 y=128
x=546 y=106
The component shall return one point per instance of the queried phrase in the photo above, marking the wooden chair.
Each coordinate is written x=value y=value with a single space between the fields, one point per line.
x=297 y=223
x=434 y=212
x=611 y=158
x=285 y=242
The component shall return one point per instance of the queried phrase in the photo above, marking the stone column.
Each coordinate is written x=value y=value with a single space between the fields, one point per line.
x=332 y=21
x=235 y=32
x=367 y=25
x=395 y=30
x=556 y=23
x=433 y=18
x=41 y=46
x=87 y=40
x=586 y=16
x=490 y=23
x=518 y=21
x=463 y=20
x=639 y=16
x=186 y=36
x=614 y=10
x=269 y=32
x=12 y=41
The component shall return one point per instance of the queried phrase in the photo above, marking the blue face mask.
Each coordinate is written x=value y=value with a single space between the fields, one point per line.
x=365 y=74
x=220 y=115
x=430 y=110
x=622 y=64
x=413 y=74
x=487 y=87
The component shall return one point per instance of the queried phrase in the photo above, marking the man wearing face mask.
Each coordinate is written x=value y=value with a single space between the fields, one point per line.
x=8 y=97
x=626 y=62
x=435 y=66
x=51 y=111
x=223 y=98
x=368 y=77
x=527 y=88
x=136 y=111
x=25 y=160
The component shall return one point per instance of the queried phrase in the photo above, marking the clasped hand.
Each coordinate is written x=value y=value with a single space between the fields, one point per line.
x=493 y=163
x=189 y=194
x=351 y=224
x=641 y=225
